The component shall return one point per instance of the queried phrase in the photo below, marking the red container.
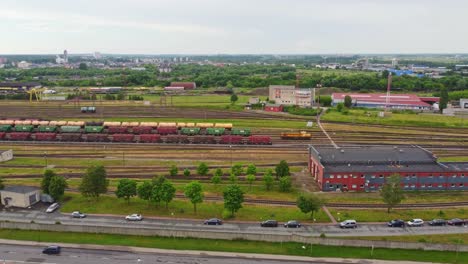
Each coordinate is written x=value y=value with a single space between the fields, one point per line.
x=259 y=140
x=20 y=136
x=71 y=137
x=167 y=130
x=123 y=137
x=204 y=140
x=142 y=130
x=150 y=138
x=231 y=140
x=177 y=139
x=117 y=130
x=2 y=135
x=97 y=137
x=45 y=136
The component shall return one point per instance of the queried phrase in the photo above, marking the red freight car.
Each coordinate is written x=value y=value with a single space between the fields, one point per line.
x=123 y=137
x=117 y=130
x=150 y=138
x=142 y=130
x=231 y=140
x=259 y=140
x=71 y=137
x=2 y=135
x=167 y=130
x=45 y=136
x=20 y=136
x=97 y=137
x=204 y=140
x=177 y=139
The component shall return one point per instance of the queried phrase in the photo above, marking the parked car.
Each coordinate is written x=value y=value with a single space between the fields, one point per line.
x=134 y=217
x=52 y=207
x=293 y=224
x=416 y=222
x=437 y=222
x=348 y=224
x=78 y=214
x=396 y=223
x=51 y=250
x=456 y=222
x=213 y=221
x=269 y=223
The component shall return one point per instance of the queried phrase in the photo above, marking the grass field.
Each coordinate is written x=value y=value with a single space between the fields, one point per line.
x=288 y=248
x=381 y=215
x=459 y=239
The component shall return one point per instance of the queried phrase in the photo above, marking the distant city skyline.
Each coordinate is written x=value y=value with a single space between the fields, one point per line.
x=234 y=27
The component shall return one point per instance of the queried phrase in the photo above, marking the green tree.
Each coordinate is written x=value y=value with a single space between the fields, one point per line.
x=233 y=198
x=229 y=85
x=285 y=184
x=126 y=189
x=251 y=169
x=45 y=183
x=444 y=98
x=268 y=179
x=234 y=98
x=167 y=192
x=174 y=170
x=194 y=192
x=218 y=172
x=237 y=169
x=186 y=172
x=2 y=185
x=233 y=178
x=216 y=179
x=156 y=191
x=348 y=102
x=282 y=169
x=250 y=178
x=83 y=66
x=94 y=182
x=144 y=191
x=309 y=203
x=391 y=191
x=202 y=169
x=57 y=187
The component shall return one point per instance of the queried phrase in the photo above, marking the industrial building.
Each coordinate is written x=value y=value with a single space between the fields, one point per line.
x=290 y=95
x=18 y=87
x=381 y=100
x=186 y=85
x=20 y=196
x=364 y=168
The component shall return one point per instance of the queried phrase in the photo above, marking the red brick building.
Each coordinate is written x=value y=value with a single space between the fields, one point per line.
x=364 y=168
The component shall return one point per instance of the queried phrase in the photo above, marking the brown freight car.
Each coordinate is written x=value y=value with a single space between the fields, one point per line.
x=303 y=135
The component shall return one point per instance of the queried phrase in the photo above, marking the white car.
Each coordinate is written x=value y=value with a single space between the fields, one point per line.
x=52 y=207
x=416 y=222
x=134 y=217
x=348 y=224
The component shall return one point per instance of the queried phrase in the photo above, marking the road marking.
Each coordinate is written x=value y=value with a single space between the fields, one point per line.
x=20 y=261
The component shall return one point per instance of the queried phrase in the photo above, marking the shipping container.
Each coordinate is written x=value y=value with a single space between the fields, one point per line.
x=167 y=130
x=20 y=136
x=72 y=137
x=204 y=140
x=149 y=138
x=123 y=137
x=70 y=129
x=142 y=130
x=47 y=128
x=97 y=137
x=215 y=131
x=259 y=140
x=240 y=132
x=117 y=130
x=94 y=129
x=24 y=128
x=190 y=131
x=45 y=136
x=228 y=139
x=5 y=128
x=2 y=135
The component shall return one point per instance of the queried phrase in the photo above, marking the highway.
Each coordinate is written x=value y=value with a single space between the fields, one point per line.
x=364 y=229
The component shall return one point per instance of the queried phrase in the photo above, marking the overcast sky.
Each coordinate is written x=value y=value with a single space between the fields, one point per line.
x=233 y=26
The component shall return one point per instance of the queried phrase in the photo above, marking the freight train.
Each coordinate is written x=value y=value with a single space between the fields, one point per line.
x=136 y=132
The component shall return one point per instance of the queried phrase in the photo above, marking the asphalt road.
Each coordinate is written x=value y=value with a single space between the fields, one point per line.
x=10 y=254
x=364 y=229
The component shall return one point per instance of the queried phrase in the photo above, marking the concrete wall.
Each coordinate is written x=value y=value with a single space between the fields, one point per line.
x=19 y=199
x=230 y=235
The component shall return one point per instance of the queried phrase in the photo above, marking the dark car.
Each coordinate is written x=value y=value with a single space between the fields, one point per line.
x=51 y=250
x=292 y=224
x=437 y=222
x=213 y=221
x=456 y=222
x=396 y=223
x=269 y=223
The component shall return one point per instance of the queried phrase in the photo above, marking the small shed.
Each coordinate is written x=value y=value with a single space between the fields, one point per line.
x=274 y=108
x=20 y=196
x=6 y=155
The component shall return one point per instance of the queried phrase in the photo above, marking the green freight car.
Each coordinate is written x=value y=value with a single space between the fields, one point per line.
x=70 y=129
x=240 y=132
x=94 y=129
x=190 y=131
x=215 y=131
x=24 y=128
x=5 y=128
x=47 y=128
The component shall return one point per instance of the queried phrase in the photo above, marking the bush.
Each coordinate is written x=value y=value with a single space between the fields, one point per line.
x=296 y=110
x=58 y=223
x=186 y=172
x=285 y=184
x=322 y=235
x=227 y=215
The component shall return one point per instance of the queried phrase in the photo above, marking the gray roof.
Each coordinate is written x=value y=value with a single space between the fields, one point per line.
x=369 y=155
x=456 y=166
x=20 y=189
x=386 y=168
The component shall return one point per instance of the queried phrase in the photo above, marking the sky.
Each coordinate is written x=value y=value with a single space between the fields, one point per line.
x=233 y=26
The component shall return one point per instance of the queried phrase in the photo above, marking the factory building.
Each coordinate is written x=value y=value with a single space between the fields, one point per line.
x=186 y=85
x=365 y=168
x=379 y=100
x=290 y=95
